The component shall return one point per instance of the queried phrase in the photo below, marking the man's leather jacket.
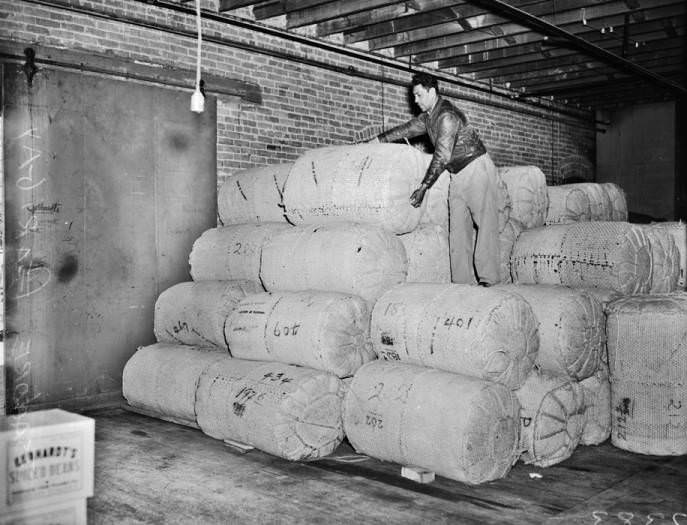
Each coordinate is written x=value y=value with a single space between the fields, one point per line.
x=456 y=143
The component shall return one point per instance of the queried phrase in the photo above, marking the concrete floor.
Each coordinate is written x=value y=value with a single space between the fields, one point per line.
x=151 y=471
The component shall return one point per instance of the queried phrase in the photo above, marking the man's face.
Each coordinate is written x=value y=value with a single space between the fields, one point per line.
x=424 y=98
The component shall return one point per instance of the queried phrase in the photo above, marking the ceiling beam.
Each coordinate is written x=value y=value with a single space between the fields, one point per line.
x=356 y=21
x=331 y=10
x=477 y=60
x=281 y=7
x=228 y=5
x=594 y=51
x=608 y=13
x=561 y=57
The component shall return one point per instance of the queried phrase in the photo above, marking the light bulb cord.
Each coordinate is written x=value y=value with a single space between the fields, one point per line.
x=200 y=42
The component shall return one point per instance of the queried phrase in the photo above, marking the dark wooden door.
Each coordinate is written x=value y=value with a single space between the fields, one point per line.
x=107 y=184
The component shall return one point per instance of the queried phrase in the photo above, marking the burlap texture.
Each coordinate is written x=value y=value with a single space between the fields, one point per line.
x=552 y=418
x=458 y=426
x=482 y=332
x=232 y=252
x=194 y=313
x=528 y=194
x=253 y=195
x=288 y=411
x=369 y=183
x=360 y=259
x=324 y=330
x=647 y=351
x=612 y=255
x=162 y=379
x=572 y=331
x=428 y=254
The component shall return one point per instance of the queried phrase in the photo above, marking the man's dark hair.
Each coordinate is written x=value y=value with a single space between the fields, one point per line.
x=425 y=80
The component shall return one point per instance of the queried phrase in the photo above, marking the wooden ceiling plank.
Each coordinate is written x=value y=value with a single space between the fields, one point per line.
x=608 y=12
x=540 y=60
x=450 y=11
x=475 y=60
x=228 y=5
x=331 y=10
x=281 y=7
x=583 y=46
x=460 y=15
x=563 y=72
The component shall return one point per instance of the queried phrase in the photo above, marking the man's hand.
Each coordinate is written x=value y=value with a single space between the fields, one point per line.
x=418 y=195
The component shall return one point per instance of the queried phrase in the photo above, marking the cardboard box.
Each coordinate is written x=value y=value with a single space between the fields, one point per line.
x=70 y=512
x=46 y=457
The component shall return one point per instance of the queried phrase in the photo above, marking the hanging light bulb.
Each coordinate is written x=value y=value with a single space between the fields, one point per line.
x=198 y=99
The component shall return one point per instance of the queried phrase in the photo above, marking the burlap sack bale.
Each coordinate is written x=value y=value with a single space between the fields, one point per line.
x=369 y=183
x=460 y=427
x=507 y=239
x=360 y=259
x=253 y=195
x=482 y=332
x=647 y=352
x=567 y=204
x=528 y=194
x=288 y=411
x=665 y=260
x=428 y=254
x=618 y=201
x=678 y=231
x=597 y=399
x=162 y=379
x=324 y=330
x=572 y=328
x=612 y=255
x=230 y=253
x=600 y=203
x=194 y=313
x=552 y=418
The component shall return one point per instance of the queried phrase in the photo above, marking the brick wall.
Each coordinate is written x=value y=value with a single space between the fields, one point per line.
x=303 y=105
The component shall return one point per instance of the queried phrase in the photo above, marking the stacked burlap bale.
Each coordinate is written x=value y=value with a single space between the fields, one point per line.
x=600 y=203
x=324 y=330
x=614 y=255
x=288 y=411
x=162 y=379
x=253 y=195
x=483 y=332
x=647 y=350
x=507 y=238
x=457 y=426
x=194 y=313
x=428 y=254
x=232 y=252
x=355 y=258
x=367 y=183
x=572 y=332
x=597 y=400
x=616 y=196
x=665 y=260
x=528 y=194
x=567 y=204
x=678 y=231
x=552 y=418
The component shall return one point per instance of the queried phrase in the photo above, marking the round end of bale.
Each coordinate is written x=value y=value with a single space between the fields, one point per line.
x=312 y=426
x=552 y=418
